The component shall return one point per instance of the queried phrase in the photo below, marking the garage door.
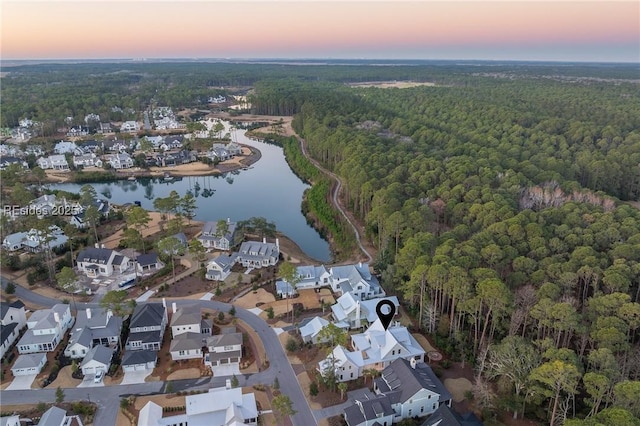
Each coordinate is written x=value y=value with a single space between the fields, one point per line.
x=140 y=367
x=128 y=368
x=89 y=370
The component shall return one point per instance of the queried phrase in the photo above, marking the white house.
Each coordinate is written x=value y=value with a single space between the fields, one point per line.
x=130 y=126
x=120 y=161
x=284 y=289
x=93 y=327
x=13 y=319
x=46 y=329
x=29 y=364
x=98 y=359
x=65 y=147
x=55 y=162
x=412 y=388
x=87 y=160
x=101 y=262
x=139 y=360
x=224 y=406
x=189 y=320
x=147 y=326
x=310 y=330
x=376 y=348
x=218 y=269
x=55 y=416
x=224 y=349
x=222 y=239
x=254 y=254
x=186 y=346
x=349 y=310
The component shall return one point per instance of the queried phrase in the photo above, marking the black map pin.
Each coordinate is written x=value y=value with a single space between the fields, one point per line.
x=385 y=318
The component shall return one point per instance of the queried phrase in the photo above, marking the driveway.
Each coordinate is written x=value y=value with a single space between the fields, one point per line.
x=226 y=370
x=88 y=382
x=134 y=377
x=22 y=382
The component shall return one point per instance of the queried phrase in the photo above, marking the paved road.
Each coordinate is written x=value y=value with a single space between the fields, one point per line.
x=108 y=397
x=336 y=193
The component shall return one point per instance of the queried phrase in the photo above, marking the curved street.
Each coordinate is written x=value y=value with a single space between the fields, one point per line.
x=108 y=397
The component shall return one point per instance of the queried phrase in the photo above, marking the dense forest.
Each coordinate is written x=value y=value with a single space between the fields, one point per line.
x=503 y=201
x=500 y=211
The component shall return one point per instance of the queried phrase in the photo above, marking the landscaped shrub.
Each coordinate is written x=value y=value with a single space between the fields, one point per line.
x=291 y=345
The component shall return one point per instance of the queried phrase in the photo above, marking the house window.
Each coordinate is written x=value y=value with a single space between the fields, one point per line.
x=422 y=409
x=182 y=353
x=409 y=412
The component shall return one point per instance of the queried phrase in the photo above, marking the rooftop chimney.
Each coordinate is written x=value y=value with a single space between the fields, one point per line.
x=277 y=243
x=88 y=310
x=164 y=303
x=97 y=245
x=174 y=307
x=56 y=317
x=264 y=240
x=413 y=363
x=227 y=384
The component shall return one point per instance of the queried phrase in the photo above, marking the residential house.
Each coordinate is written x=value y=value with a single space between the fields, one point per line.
x=13 y=242
x=10 y=150
x=98 y=359
x=166 y=123
x=310 y=330
x=219 y=153
x=37 y=241
x=95 y=262
x=233 y=148
x=175 y=158
x=55 y=416
x=218 y=269
x=147 y=326
x=217 y=99
x=218 y=239
x=285 y=290
x=29 y=364
x=36 y=150
x=369 y=410
x=143 y=360
x=130 y=126
x=148 y=263
x=93 y=327
x=78 y=131
x=120 y=161
x=46 y=329
x=13 y=319
x=224 y=406
x=254 y=254
x=189 y=331
x=7 y=161
x=445 y=416
x=12 y=420
x=376 y=348
x=116 y=145
x=356 y=279
x=65 y=147
x=55 y=162
x=180 y=236
x=355 y=314
x=104 y=128
x=87 y=160
x=225 y=349
x=412 y=388
x=89 y=147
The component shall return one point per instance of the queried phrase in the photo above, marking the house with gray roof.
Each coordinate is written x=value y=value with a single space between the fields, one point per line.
x=147 y=326
x=218 y=269
x=374 y=410
x=148 y=263
x=98 y=359
x=224 y=349
x=284 y=289
x=13 y=319
x=412 y=388
x=55 y=416
x=94 y=326
x=255 y=254
x=212 y=238
x=139 y=360
x=190 y=332
x=29 y=364
x=445 y=416
x=7 y=161
x=55 y=162
x=46 y=328
x=95 y=262
x=349 y=310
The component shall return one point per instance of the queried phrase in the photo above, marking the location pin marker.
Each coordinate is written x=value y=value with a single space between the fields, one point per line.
x=385 y=317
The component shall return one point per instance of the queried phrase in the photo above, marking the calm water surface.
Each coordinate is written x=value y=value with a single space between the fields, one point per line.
x=268 y=189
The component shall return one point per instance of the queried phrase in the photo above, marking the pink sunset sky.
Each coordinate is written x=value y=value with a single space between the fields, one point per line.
x=607 y=31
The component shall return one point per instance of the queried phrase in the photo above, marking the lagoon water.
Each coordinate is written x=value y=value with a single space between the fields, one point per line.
x=268 y=189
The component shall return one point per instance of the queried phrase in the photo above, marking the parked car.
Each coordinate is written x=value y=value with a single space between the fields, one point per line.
x=98 y=377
